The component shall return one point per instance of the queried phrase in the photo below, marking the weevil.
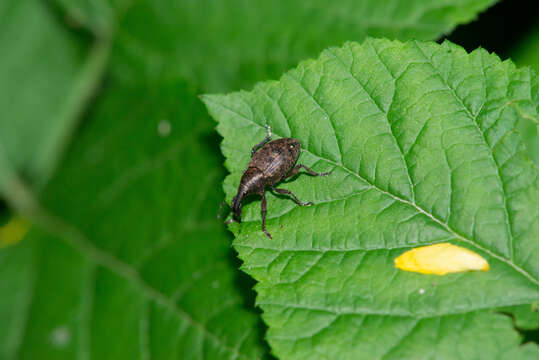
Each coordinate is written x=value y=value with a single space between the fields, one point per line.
x=271 y=162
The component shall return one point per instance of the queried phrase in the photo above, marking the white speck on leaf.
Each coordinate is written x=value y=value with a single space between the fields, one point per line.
x=421 y=291
x=163 y=128
x=61 y=336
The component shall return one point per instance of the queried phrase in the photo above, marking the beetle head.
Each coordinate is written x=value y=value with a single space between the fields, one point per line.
x=293 y=146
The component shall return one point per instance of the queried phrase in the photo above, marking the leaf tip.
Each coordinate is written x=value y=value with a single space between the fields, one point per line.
x=203 y=97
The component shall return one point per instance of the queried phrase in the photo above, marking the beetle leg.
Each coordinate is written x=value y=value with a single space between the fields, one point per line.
x=229 y=221
x=288 y=192
x=263 y=212
x=299 y=166
x=263 y=142
x=221 y=209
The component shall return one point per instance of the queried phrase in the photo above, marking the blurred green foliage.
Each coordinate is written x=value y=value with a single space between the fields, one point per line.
x=47 y=76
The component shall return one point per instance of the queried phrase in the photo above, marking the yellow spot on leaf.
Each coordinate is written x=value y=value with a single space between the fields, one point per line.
x=13 y=231
x=440 y=259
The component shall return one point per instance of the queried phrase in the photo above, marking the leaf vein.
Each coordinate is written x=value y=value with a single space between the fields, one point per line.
x=330 y=121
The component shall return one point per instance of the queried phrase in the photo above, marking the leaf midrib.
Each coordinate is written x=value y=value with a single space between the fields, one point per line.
x=369 y=312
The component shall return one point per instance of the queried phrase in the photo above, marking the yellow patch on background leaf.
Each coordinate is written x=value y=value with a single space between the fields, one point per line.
x=13 y=231
x=440 y=259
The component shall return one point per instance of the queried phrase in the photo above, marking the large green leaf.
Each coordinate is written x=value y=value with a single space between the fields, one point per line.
x=420 y=138
x=137 y=265
x=227 y=44
x=47 y=75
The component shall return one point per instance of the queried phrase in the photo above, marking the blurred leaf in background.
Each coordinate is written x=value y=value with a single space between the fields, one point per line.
x=97 y=16
x=136 y=264
x=132 y=263
x=47 y=75
x=223 y=45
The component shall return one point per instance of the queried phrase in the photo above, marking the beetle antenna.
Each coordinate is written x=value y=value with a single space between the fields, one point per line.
x=221 y=209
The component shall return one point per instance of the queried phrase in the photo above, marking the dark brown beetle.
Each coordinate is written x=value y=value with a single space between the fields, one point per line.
x=271 y=161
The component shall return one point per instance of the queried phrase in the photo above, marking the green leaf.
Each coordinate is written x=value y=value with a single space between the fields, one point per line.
x=220 y=45
x=422 y=144
x=526 y=316
x=136 y=264
x=526 y=53
x=40 y=100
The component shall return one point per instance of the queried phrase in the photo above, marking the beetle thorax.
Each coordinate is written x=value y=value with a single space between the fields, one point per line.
x=276 y=158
